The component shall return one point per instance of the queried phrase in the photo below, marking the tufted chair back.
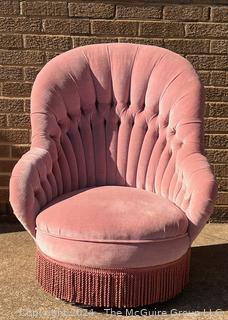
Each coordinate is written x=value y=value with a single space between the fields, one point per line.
x=120 y=114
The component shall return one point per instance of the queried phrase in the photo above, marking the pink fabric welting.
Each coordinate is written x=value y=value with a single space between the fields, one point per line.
x=116 y=176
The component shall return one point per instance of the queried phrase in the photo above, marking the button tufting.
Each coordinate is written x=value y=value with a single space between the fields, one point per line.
x=49 y=174
x=165 y=123
x=173 y=131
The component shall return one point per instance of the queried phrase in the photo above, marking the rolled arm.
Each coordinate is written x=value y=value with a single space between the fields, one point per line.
x=32 y=186
x=198 y=192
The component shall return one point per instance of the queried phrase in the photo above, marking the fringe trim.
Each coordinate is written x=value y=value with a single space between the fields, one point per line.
x=112 y=287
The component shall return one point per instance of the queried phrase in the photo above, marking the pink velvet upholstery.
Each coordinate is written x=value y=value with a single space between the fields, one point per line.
x=116 y=175
x=113 y=227
x=116 y=114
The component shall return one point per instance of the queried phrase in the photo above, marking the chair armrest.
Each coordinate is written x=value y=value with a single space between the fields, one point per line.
x=198 y=192
x=32 y=186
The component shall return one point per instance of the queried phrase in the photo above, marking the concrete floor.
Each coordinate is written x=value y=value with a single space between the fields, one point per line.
x=205 y=297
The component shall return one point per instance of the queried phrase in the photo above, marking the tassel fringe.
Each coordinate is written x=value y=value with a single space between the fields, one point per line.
x=112 y=287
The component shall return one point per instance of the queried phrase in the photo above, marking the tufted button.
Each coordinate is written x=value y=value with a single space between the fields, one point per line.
x=81 y=111
x=173 y=131
x=113 y=104
x=49 y=174
x=36 y=192
x=60 y=124
x=165 y=123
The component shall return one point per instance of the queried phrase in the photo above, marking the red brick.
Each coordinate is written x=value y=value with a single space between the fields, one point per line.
x=79 y=26
x=4 y=194
x=17 y=89
x=50 y=55
x=186 y=13
x=222 y=198
x=48 y=42
x=3 y=121
x=11 y=73
x=208 y=62
x=19 y=150
x=4 y=151
x=20 y=24
x=30 y=73
x=219 y=46
x=66 y=26
x=91 y=10
x=219 y=78
x=220 y=170
x=14 y=136
x=114 y=28
x=8 y=218
x=217 y=155
x=3 y=212
x=216 y=94
x=11 y=41
x=159 y=29
x=59 y=26
x=219 y=14
x=9 y=7
x=206 y=109
x=218 y=141
x=6 y=166
x=220 y=214
x=203 y=30
x=138 y=12
x=27 y=103
x=82 y=41
x=19 y=121
x=11 y=105
x=216 y=125
x=205 y=77
x=4 y=180
x=222 y=184
x=206 y=139
x=218 y=110
x=44 y=8
x=147 y=41
x=18 y=57
x=187 y=45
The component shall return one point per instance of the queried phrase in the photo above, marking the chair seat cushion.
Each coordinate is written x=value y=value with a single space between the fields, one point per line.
x=113 y=225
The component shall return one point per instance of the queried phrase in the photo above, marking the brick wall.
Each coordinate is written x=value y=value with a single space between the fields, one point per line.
x=33 y=32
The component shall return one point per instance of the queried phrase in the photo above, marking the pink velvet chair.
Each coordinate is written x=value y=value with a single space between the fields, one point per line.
x=115 y=187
